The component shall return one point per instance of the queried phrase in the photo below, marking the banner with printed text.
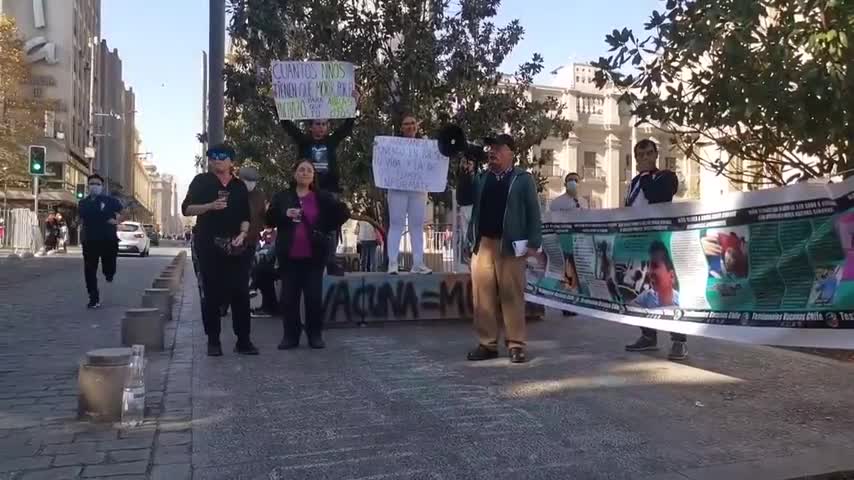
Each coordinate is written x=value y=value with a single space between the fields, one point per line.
x=309 y=90
x=770 y=267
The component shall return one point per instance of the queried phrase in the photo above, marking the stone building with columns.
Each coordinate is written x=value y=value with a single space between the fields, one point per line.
x=600 y=146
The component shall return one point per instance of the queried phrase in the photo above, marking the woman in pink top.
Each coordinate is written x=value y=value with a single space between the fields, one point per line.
x=304 y=218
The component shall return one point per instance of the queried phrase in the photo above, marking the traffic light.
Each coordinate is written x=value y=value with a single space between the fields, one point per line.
x=80 y=191
x=37 y=157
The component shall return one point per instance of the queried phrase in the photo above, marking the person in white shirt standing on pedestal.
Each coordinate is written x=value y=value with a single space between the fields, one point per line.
x=567 y=203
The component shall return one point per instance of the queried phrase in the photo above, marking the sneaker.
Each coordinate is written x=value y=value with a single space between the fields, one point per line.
x=288 y=344
x=214 y=350
x=245 y=348
x=393 y=268
x=517 y=355
x=678 y=351
x=259 y=313
x=93 y=304
x=316 y=342
x=421 y=270
x=109 y=278
x=643 y=344
x=482 y=353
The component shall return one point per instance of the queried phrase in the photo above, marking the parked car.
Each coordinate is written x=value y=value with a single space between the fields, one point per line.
x=133 y=239
x=152 y=234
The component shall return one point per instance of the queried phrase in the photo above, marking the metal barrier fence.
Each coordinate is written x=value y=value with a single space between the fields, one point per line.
x=21 y=230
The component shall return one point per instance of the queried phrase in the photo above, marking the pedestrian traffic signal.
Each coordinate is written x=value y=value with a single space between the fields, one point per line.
x=80 y=191
x=37 y=157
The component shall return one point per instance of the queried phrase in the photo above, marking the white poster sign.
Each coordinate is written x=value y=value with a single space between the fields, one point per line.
x=409 y=164
x=308 y=90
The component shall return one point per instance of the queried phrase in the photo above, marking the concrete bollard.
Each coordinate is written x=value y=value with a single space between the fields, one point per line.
x=143 y=326
x=161 y=299
x=164 y=282
x=101 y=379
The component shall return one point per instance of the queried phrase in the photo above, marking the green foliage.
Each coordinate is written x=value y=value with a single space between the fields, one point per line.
x=426 y=57
x=766 y=81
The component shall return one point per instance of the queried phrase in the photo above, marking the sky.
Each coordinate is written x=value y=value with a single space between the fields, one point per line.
x=160 y=43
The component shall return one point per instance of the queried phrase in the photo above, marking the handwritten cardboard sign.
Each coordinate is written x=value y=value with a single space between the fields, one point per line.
x=409 y=164
x=309 y=90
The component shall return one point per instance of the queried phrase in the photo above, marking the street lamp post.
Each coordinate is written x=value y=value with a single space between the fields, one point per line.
x=216 y=105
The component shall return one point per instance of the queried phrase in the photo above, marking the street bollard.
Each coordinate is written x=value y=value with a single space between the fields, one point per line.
x=101 y=379
x=164 y=282
x=143 y=326
x=161 y=299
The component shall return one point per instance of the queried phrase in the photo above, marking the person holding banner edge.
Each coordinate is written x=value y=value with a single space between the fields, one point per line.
x=320 y=147
x=651 y=186
x=403 y=205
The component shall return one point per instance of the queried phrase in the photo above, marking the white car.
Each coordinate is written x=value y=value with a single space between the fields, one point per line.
x=133 y=239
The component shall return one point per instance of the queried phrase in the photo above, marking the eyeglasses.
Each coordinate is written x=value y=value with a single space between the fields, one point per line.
x=219 y=156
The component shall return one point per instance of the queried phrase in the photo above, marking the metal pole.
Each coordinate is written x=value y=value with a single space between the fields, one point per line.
x=217 y=82
x=36 y=195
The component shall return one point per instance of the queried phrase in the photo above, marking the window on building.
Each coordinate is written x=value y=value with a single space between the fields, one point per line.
x=670 y=163
x=590 y=168
x=626 y=171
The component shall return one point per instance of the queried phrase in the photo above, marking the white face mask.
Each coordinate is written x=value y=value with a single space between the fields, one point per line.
x=250 y=185
x=571 y=186
x=95 y=189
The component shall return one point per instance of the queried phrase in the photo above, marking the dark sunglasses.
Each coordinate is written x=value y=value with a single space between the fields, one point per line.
x=219 y=156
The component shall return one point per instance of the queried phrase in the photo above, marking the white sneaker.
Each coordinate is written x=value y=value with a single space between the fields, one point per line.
x=421 y=269
x=393 y=268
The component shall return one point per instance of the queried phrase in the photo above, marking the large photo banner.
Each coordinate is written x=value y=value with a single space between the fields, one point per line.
x=409 y=164
x=770 y=267
x=308 y=90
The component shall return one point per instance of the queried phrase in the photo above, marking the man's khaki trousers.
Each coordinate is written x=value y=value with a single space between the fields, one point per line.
x=498 y=286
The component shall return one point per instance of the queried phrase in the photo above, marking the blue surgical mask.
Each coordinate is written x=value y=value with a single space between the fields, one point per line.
x=95 y=189
x=571 y=185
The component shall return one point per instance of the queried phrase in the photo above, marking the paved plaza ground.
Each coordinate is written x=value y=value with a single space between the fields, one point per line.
x=401 y=402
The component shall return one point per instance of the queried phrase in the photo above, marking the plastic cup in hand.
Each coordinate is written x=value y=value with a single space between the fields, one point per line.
x=298 y=217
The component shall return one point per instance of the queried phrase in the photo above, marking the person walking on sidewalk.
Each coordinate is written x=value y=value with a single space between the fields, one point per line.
x=303 y=218
x=651 y=186
x=506 y=229
x=99 y=215
x=257 y=211
x=221 y=203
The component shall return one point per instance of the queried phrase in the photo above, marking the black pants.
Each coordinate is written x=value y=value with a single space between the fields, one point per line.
x=265 y=282
x=225 y=280
x=653 y=334
x=302 y=279
x=367 y=255
x=95 y=251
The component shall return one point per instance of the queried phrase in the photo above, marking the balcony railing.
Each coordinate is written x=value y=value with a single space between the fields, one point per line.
x=551 y=170
x=590 y=104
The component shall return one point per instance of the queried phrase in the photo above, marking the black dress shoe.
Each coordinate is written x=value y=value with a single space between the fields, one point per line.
x=482 y=353
x=287 y=344
x=316 y=343
x=214 y=350
x=517 y=355
x=246 y=349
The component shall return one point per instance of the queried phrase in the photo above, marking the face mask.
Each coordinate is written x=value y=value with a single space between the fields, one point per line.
x=250 y=185
x=571 y=186
x=95 y=189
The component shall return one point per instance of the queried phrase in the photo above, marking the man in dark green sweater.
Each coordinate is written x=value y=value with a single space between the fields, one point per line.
x=505 y=229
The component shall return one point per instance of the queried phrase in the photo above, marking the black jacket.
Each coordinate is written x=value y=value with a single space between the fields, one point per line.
x=331 y=216
x=658 y=186
x=327 y=175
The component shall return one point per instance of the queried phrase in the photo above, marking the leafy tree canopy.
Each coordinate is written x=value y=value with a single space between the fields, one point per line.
x=428 y=57
x=766 y=81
